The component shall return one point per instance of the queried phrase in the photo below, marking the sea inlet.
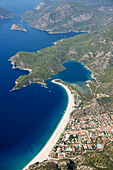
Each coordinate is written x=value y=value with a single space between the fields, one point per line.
x=30 y=115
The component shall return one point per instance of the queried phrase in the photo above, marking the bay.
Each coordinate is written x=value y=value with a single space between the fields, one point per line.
x=29 y=116
x=76 y=75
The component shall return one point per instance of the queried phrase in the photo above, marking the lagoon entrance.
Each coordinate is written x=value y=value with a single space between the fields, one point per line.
x=28 y=116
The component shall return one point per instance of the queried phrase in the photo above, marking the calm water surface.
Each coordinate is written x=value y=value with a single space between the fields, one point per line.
x=75 y=74
x=28 y=116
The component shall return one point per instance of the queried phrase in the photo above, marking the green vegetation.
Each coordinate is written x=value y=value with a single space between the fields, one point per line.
x=101 y=5
x=65 y=16
x=109 y=150
x=106 y=87
x=92 y=49
x=100 y=160
x=108 y=76
x=55 y=165
x=107 y=102
x=95 y=50
x=49 y=61
x=5 y=14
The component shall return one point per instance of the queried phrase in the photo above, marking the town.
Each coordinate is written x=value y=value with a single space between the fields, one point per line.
x=86 y=133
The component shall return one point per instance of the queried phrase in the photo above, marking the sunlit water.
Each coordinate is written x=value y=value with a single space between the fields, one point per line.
x=29 y=116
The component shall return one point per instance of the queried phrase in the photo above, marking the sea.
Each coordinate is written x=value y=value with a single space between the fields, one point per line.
x=29 y=116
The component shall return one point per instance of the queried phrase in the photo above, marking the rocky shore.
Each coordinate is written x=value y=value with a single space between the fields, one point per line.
x=18 y=27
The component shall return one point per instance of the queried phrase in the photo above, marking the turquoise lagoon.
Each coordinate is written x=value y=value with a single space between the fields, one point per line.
x=29 y=116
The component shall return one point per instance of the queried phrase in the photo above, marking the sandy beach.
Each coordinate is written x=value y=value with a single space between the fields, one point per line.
x=44 y=153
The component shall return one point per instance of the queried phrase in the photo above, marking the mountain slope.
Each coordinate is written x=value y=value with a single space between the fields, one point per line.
x=105 y=6
x=94 y=50
x=64 y=17
x=5 y=14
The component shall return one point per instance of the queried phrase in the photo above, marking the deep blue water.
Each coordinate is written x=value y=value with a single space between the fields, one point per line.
x=19 y=6
x=74 y=72
x=28 y=116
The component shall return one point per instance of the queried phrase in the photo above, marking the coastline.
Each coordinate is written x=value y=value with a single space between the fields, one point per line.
x=18 y=27
x=44 y=153
x=50 y=32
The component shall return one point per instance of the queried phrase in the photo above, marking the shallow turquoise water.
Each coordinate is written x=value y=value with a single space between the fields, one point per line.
x=28 y=116
x=75 y=74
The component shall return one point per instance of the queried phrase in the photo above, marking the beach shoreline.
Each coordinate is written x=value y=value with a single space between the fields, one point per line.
x=44 y=153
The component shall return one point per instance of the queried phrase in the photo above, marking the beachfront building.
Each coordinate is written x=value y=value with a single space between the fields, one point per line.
x=86 y=133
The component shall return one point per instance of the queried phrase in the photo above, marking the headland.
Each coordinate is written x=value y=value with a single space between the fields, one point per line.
x=18 y=27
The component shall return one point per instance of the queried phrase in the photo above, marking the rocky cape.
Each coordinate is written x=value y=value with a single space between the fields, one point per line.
x=18 y=27
x=94 y=50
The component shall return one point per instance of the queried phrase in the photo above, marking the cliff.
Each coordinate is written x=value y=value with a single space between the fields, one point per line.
x=65 y=16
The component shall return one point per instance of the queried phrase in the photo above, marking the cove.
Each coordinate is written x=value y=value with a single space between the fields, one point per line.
x=29 y=116
x=75 y=74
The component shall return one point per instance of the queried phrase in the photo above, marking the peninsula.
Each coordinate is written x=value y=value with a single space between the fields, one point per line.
x=84 y=143
x=5 y=14
x=18 y=27
x=95 y=50
x=49 y=61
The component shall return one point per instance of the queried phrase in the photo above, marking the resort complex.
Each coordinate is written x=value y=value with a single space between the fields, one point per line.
x=56 y=101
x=84 y=134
